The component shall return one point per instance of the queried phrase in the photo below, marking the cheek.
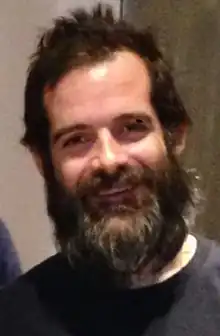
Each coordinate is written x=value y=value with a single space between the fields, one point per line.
x=150 y=151
x=69 y=171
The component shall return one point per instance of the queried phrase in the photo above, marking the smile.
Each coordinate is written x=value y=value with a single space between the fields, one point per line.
x=115 y=194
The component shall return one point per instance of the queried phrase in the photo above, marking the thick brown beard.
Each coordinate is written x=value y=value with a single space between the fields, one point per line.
x=90 y=242
x=123 y=234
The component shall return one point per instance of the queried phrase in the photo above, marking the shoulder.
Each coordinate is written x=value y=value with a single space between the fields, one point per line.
x=208 y=254
x=5 y=236
x=26 y=288
x=204 y=270
x=26 y=305
x=9 y=261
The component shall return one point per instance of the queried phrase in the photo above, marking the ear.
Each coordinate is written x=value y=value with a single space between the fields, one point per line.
x=179 y=139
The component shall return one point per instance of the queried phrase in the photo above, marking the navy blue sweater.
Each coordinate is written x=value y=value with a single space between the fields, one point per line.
x=53 y=299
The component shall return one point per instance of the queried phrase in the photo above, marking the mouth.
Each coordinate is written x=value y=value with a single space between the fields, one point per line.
x=115 y=194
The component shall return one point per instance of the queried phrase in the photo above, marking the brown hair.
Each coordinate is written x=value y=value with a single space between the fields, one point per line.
x=84 y=38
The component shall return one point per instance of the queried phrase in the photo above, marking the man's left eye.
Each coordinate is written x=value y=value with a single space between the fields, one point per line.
x=133 y=130
x=137 y=125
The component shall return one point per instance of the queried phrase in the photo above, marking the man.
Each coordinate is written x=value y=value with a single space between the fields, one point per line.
x=10 y=267
x=105 y=126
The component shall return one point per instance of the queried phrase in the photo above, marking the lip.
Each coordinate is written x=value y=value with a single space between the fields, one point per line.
x=115 y=195
x=114 y=192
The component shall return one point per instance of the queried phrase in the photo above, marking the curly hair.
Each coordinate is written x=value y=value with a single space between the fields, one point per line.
x=85 y=38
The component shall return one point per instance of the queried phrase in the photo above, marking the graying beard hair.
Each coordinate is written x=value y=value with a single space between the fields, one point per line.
x=124 y=251
x=196 y=207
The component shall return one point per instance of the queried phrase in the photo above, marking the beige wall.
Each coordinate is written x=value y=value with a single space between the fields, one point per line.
x=21 y=189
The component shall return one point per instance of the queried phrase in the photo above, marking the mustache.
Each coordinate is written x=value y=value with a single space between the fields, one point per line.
x=123 y=177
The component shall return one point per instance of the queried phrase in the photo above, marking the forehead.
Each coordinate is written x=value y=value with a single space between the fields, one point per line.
x=96 y=93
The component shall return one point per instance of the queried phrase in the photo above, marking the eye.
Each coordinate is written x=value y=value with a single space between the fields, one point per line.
x=134 y=129
x=135 y=125
x=77 y=143
x=74 y=140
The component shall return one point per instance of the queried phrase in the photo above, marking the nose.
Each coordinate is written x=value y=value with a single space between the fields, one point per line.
x=110 y=154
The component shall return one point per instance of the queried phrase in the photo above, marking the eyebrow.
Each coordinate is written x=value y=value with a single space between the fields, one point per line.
x=66 y=130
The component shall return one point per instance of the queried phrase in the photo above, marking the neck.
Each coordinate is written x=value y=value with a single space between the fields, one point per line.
x=183 y=258
x=102 y=278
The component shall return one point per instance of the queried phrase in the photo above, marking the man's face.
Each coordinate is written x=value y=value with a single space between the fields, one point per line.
x=108 y=152
x=102 y=118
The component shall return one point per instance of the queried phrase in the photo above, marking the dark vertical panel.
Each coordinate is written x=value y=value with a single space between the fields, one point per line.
x=189 y=33
x=122 y=8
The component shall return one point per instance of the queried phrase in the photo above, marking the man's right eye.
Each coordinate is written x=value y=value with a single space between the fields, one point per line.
x=75 y=140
